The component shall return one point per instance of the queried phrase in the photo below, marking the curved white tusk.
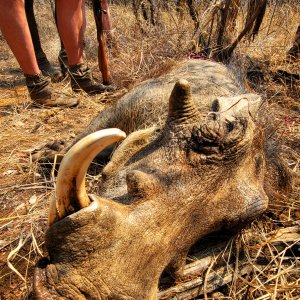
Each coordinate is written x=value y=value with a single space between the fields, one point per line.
x=70 y=183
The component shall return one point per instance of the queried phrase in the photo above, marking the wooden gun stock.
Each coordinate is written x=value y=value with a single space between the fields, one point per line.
x=102 y=56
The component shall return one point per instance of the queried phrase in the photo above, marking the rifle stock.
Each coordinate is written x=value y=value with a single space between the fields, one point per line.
x=102 y=56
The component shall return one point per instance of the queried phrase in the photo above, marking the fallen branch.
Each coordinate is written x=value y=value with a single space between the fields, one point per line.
x=197 y=283
x=193 y=288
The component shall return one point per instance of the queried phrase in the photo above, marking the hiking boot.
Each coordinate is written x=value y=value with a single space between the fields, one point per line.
x=41 y=93
x=47 y=69
x=82 y=79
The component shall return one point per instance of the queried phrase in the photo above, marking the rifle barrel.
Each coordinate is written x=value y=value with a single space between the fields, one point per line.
x=102 y=56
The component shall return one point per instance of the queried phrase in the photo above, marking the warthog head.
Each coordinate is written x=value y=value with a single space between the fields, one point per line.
x=163 y=189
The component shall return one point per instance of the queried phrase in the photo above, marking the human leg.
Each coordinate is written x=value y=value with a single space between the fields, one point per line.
x=71 y=25
x=14 y=27
x=42 y=60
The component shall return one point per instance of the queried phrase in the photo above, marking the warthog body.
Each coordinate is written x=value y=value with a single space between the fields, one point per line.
x=194 y=164
x=147 y=104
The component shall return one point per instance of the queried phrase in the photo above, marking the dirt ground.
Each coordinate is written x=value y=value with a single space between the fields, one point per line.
x=25 y=188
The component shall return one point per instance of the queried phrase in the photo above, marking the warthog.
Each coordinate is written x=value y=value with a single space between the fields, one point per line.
x=193 y=164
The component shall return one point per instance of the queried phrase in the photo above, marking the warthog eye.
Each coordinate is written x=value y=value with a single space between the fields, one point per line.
x=229 y=126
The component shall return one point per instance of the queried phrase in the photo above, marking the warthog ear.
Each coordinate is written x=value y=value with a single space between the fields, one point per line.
x=181 y=104
x=231 y=107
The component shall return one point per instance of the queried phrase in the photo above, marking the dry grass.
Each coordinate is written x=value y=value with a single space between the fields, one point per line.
x=25 y=190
